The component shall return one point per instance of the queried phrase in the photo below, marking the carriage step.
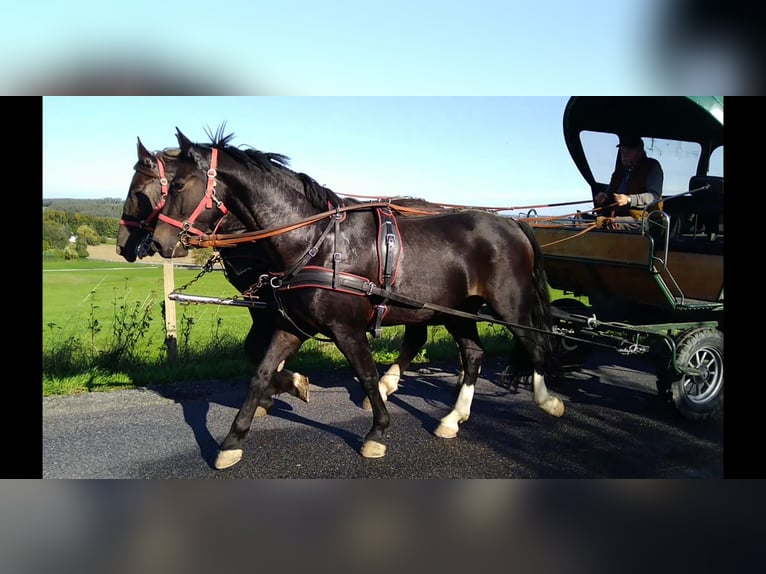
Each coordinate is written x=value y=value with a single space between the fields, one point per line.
x=684 y=304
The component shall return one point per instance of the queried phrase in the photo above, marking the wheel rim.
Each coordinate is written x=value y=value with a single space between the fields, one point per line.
x=701 y=388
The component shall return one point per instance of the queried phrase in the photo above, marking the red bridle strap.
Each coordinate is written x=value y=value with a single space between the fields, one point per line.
x=206 y=202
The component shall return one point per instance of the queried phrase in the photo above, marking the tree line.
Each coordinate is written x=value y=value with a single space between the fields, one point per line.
x=68 y=232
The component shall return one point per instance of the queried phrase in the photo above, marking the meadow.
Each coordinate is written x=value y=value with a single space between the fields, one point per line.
x=104 y=329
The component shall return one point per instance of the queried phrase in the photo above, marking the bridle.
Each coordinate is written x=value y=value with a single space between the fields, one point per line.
x=207 y=201
x=146 y=223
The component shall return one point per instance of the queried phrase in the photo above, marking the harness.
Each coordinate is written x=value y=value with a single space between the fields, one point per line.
x=389 y=248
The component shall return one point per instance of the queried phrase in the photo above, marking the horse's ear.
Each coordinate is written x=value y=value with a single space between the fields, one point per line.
x=143 y=153
x=188 y=149
x=184 y=143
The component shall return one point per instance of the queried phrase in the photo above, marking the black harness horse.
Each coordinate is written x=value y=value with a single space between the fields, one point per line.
x=328 y=274
x=244 y=263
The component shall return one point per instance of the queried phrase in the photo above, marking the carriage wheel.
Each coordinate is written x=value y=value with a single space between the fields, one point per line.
x=571 y=354
x=697 y=397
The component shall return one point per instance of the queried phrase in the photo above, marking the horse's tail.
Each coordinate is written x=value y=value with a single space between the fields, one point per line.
x=540 y=313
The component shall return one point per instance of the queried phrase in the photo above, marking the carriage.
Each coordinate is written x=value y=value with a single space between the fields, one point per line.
x=657 y=291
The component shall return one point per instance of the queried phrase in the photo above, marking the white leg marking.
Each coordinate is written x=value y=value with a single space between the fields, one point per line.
x=550 y=404
x=301 y=385
x=448 y=426
x=387 y=385
x=390 y=381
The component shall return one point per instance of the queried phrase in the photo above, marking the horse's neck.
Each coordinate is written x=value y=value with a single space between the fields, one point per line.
x=271 y=201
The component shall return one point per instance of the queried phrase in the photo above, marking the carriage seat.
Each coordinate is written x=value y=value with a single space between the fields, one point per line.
x=697 y=219
x=699 y=212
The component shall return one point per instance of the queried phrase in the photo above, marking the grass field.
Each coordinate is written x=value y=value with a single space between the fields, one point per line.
x=76 y=293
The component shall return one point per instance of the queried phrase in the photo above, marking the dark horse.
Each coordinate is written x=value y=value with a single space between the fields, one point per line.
x=243 y=264
x=331 y=277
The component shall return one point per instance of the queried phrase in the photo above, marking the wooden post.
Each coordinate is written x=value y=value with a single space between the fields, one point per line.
x=171 y=341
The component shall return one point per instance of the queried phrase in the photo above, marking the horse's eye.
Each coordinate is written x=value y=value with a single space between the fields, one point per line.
x=176 y=185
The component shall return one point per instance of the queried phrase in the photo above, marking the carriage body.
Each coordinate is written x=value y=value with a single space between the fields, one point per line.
x=658 y=289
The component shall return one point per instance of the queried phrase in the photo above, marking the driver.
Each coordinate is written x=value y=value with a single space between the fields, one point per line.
x=636 y=182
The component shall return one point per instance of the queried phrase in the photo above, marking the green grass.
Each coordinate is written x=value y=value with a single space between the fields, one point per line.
x=104 y=329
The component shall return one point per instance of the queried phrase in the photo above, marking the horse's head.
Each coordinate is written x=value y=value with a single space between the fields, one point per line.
x=146 y=196
x=191 y=206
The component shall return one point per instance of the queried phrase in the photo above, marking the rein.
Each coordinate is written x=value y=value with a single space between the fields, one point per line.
x=230 y=239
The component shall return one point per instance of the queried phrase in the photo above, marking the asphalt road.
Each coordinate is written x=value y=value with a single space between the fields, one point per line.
x=614 y=427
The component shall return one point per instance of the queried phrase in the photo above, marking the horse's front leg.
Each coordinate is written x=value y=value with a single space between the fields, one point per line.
x=282 y=381
x=356 y=348
x=283 y=345
x=415 y=336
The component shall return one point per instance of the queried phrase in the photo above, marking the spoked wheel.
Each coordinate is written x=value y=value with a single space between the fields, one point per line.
x=698 y=396
x=571 y=354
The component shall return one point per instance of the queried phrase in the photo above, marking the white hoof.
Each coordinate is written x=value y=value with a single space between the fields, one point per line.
x=553 y=406
x=261 y=411
x=445 y=431
x=372 y=449
x=227 y=458
x=301 y=384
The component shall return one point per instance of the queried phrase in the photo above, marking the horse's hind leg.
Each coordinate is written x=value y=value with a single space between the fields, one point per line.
x=466 y=335
x=282 y=381
x=415 y=336
x=535 y=345
x=283 y=345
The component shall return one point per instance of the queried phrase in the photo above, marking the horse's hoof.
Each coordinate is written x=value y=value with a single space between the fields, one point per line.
x=443 y=431
x=261 y=411
x=301 y=384
x=553 y=406
x=372 y=449
x=227 y=458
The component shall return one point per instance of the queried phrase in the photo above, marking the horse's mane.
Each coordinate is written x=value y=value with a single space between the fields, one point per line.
x=320 y=197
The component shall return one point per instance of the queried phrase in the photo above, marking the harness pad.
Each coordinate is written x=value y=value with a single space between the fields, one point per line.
x=389 y=246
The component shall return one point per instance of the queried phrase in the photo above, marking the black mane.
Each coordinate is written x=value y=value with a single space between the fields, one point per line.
x=320 y=197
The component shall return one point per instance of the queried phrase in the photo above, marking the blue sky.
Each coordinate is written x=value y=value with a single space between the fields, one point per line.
x=492 y=151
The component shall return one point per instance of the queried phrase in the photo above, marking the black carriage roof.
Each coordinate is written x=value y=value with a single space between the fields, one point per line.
x=693 y=119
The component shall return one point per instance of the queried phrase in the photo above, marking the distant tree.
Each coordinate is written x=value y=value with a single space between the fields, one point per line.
x=76 y=250
x=82 y=248
x=55 y=235
x=88 y=234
